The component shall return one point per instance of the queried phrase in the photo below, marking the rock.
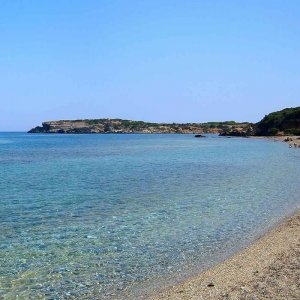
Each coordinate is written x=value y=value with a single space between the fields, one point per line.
x=241 y=130
x=244 y=289
x=199 y=136
x=210 y=284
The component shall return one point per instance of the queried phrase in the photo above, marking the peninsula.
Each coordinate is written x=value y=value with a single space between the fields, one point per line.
x=284 y=122
x=128 y=126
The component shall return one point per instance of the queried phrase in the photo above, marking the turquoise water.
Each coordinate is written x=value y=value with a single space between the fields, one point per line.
x=99 y=216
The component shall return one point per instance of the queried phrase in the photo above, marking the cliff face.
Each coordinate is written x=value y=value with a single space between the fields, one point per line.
x=123 y=126
x=242 y=130
x=63 y=127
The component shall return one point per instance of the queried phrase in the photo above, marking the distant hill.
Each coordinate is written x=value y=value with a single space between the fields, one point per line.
x=127 y=126
x=286 y=121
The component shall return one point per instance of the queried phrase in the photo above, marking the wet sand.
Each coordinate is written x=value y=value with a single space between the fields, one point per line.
x=267 y=269
x=290 y=140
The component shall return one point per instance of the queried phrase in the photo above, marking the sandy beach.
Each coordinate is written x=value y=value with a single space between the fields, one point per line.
x=291 y=140
x=268 y=269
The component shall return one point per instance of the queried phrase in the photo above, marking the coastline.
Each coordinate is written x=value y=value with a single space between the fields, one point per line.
x=289 y=139
x=267 y=269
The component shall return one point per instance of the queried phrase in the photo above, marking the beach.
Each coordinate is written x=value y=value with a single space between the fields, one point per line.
x=111 y=215
x=267 y=269
x=290 y=140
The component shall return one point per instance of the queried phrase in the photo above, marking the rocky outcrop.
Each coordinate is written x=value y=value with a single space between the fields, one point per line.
x=241 y=130
x=125 y=126
x=77 y=126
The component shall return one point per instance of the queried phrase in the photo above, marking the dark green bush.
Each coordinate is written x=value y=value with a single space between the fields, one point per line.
x=292 y=131
x=283 y=120
x=273 y=131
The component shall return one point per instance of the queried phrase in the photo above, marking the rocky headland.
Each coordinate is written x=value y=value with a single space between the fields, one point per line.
x=128 y=126
x=280 y=123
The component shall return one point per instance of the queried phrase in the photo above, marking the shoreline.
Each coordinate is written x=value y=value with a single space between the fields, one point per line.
x=267 y=269
x=293 y=141
x=288 y=139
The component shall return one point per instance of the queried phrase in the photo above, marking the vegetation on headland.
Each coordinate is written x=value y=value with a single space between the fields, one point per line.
x=128 y=126
x=283 y=122
x=286 y=121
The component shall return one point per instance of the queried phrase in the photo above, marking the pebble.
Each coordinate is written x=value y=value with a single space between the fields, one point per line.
x=91 y=237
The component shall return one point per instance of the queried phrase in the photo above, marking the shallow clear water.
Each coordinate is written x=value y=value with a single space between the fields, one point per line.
x=90 y=216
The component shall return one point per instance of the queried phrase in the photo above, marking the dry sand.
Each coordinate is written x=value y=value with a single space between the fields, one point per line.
x=268 y=269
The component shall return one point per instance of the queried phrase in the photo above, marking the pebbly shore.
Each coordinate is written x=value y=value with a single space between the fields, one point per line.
x=268 y=269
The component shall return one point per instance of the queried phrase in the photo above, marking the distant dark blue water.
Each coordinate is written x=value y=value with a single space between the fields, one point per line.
x=94 y=216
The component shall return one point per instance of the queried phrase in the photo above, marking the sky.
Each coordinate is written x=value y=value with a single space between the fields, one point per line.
x=160 y=61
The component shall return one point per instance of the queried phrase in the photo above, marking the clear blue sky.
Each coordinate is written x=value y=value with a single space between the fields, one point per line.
x=165 y=61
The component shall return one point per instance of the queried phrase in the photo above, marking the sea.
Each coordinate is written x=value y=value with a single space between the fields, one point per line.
x=119 y=216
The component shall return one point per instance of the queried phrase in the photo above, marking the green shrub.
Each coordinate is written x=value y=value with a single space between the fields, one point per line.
x=292 y=131
x=283 y=120
x=273 y=131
